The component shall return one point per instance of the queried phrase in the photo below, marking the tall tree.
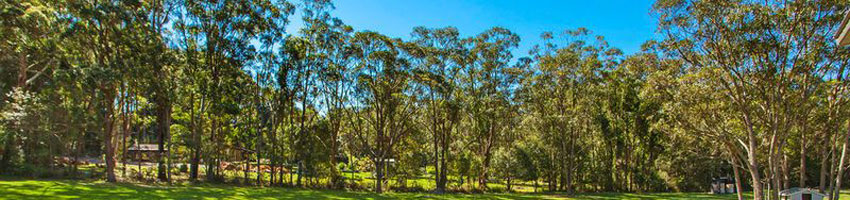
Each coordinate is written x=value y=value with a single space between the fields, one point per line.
x=758 y=54
x=486 y=92
x=383 y=117
x=329 y=41
x=442 y=57
x=225 y=30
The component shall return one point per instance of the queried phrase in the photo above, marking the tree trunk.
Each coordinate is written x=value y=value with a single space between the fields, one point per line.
x=300 y=172
x=824 y=167
x=758 y=192
x=247 y=167
x=553 y=181
x=754 y=172
x=443 y=173
x=108 y=128
x=736 y=169
x=163 y=119
x=273 y=151
x=803 y=153
x=436 y=140
x=786 y=174
x=379 y=176
x=335 y=175
x=22 y=70
x=259 y=157
x=210 y=155
x=125 y=128
x=838 y=177
x=831 y=171
x=482 y=178
x=568 y=181
x=196 y=141
x=774 y=176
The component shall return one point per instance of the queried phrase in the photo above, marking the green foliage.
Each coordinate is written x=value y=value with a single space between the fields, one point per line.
x=731 y=89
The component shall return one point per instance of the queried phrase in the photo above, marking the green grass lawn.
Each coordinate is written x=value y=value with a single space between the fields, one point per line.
x=67 y=189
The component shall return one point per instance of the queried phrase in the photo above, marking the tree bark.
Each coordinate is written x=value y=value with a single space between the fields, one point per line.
x=838 y=177
x=803 y=152
x=163 y=119
x=210 y=161
x=754 y=172
x=443 y=162
x=758 y=192
x=196 y=141
x=125 y=127
x=336 y=180
x=108 y=128
x=736 y=169
x=824 y=166
x=482 y=178
x=259 y=156
x=379 y=176
x=786 y=174
x=22 y=70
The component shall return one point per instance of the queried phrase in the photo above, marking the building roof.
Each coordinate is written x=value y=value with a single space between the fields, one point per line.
x=843 y=35
x=144 y=147
x=796 y=190
x=726 y=180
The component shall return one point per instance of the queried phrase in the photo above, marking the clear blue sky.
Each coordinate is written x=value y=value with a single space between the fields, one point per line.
x=625 y=24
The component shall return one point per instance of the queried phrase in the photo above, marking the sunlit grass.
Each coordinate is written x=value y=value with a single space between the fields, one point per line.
x=18 y=188
x=67 y=189
x=50 y=189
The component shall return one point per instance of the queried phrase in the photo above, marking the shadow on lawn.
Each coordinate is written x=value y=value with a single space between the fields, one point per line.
x=672 y=196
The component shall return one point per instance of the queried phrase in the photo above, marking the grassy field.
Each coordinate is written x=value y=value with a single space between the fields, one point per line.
x=66 y=189
x=424 y=182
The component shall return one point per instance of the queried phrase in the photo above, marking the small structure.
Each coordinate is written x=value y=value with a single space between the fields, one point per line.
x=800 y=194
x=723 y=185
x=144 y=152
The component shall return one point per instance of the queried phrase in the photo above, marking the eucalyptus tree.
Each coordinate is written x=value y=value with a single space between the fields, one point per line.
x=329 y=45
x=632 y=117
x=30 y=36
x=443 y=54
x=151 y=40
x=486 y=92
x=383 y=107
x=289 y=57
x=222 y=33
x=104 y=29
x=766 y=58
x=304 y=91
x=186 y=38
x=300 y=74
x=694 y=111
x=559 y=76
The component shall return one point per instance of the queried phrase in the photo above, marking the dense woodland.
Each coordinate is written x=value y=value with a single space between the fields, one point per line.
x=754 y=90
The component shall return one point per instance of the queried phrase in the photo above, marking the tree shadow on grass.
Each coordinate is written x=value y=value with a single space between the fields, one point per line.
x=671 y=196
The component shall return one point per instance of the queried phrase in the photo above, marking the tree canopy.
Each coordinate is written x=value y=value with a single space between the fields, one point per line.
x=752 y=90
